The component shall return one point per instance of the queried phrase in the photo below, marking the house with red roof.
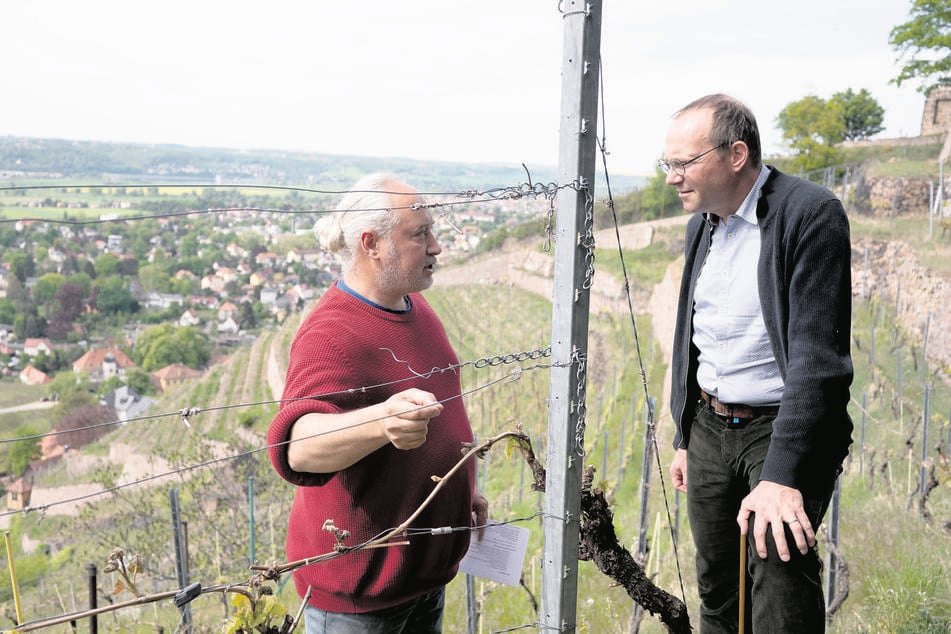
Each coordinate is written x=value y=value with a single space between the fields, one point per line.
x=32 y=346
x=32 y=376
x=102 y=363
x=19 y=493
x=173 y=375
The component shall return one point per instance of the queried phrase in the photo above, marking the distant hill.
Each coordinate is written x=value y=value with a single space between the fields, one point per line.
x=29 y=159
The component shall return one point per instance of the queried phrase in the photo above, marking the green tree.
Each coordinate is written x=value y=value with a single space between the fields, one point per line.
x=64 y=384
x=658 y=199
x=44 y=292
x=154 y=278
x=188 y=247
x=128 y=267
x=863 y=116
x=7 y=311
x=140 y=248
x=87 y=268
x=106 y=265
x=19 y=295
x=249 y=240
x=924 y=43
x=182 y=286
x=28 y=324
x=115 y=297
x=83 y=280
x=111 y=384
x=42 y=362
x=22 y=266
x=164 y=344
x=140 y=381
x=248 y=320
x=160 y=258
x=811 y=127
x=23 y=452
x=73 y=400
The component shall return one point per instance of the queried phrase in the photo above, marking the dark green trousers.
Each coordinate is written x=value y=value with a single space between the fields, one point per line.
x=724 y=461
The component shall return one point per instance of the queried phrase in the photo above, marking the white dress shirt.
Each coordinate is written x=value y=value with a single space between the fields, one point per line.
x=736 y=360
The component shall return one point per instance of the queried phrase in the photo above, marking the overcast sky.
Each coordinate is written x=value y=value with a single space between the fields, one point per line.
x=428 y=79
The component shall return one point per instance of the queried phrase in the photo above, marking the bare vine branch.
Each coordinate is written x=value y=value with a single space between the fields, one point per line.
x=841 y=574
x=599 y=544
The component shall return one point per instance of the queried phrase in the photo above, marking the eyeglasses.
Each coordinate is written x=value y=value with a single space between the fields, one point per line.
x=680 y=167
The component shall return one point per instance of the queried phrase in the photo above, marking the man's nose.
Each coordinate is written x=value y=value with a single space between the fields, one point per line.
x=434 y=247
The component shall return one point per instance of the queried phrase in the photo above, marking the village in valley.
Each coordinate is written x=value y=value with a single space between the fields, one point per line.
x=91 y=276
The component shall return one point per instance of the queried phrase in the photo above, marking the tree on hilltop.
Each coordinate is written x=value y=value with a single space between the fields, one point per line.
x=812 y=127
x=861 y=114
x=925 y=39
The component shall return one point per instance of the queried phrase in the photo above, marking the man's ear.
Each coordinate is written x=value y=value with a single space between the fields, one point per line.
x=739 y=155
x=370 y=243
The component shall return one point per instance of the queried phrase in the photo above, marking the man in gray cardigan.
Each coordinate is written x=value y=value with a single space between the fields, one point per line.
x=761 y=368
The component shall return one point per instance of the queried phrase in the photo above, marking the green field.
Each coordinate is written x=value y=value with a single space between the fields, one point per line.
x=53 y=213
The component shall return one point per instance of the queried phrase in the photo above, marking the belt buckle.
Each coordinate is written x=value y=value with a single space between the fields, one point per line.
x=734 y=419
x=729 y=414
x=727 y=411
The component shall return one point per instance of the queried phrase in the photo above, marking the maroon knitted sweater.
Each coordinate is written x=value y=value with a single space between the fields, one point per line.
x=343 y=356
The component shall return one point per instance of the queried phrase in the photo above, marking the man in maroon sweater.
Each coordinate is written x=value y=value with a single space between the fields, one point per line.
x=372 y=409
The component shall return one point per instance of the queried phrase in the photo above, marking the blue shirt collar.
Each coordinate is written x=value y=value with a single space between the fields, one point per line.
x=343 y=286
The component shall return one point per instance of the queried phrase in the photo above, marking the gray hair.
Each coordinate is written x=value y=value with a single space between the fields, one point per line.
x=366 y=207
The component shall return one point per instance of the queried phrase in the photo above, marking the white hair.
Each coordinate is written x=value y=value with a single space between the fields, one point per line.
x=366 y=207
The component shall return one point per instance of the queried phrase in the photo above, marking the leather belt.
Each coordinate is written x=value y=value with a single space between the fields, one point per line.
x=738 y=411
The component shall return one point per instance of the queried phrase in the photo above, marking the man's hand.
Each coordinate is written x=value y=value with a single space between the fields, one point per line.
x=480 y=513
x=678 y=470
x=776 y=506
x=408 y=413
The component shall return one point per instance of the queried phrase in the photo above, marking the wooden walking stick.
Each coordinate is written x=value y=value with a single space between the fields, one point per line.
x=742 y=619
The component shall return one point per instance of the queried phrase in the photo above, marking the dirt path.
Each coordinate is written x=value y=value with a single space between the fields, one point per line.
x=275 y=376
x=28 y=407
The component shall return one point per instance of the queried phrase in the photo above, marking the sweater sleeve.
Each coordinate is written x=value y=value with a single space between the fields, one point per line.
x=812 y=431
x=317 y=373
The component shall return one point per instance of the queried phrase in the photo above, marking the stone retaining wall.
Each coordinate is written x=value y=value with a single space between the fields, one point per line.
x=889 y=196
x=890 y=272
x=897 y=196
